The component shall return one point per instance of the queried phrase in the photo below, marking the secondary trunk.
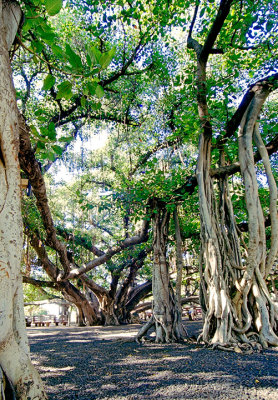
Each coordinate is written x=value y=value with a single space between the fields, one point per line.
x=14 y=350
x=179 y=266
x=167 y=327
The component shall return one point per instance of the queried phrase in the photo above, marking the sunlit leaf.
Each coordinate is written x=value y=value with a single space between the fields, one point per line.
x=53 y=6
x=65 y=90
x=49 y=82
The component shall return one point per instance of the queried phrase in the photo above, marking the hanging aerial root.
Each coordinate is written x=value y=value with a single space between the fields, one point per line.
x=143 y=331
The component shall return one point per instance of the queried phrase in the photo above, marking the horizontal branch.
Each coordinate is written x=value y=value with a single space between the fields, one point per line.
x=39 y=283
x=138 y=294
x=148 y=305
x=229 y=170
x=128 y=242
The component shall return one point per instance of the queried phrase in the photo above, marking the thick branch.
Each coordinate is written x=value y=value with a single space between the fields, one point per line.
x=184 y=300
x=98 y=290
x=128 y=242
x=234 y=122
x=136 y=264
x=138 y=294
x=39 y=283
x=217 y=25
x=31 y=167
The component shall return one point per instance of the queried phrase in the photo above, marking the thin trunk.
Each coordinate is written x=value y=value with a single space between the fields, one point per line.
x=179 y=265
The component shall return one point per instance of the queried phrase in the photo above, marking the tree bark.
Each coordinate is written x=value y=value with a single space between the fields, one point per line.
x=179 y=265
x=167 y=327
x=234 y=296
x=14 y=349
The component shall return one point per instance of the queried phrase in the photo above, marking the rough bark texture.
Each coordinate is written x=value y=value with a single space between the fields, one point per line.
x=117 y=303
x=179 y=265
x=167 y=326
x=239 y=309
x=86 y=312
x=237 y=305
x=14 y=350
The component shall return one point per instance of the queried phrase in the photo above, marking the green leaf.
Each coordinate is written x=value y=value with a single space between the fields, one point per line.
x=34 y=131
x=92 y=87
x=53 y=6
x=65 y=90
x=44 y=132
x=106 y=58
x=89 y=61
x=46 y=34
x=47 y=155
x=203 y=10
x=94 y=54
x=58 y=51
x=37 y=46
x=269 y=25
x=83 y=101
x=66 y=139
x=73 y=58
x=58 y=150
x=48 y=82
x=99 y=91
x=51 y=131
x=96 y=106
x=40 y=144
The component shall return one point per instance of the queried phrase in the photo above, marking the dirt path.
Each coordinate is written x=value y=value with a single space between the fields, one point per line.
x=91 y=363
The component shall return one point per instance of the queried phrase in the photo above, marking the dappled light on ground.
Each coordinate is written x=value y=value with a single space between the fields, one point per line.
x=93 y=363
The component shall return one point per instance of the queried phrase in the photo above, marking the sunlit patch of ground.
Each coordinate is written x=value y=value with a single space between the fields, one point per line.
x=94 y=363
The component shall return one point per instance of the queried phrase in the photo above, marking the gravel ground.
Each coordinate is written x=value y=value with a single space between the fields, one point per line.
x=94 y=363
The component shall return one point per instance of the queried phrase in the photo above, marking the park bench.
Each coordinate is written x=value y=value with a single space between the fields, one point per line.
x=63 y=319
x=38 y=320
x=45 y=320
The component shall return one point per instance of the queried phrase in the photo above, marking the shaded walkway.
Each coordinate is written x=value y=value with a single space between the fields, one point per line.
x=91 y=363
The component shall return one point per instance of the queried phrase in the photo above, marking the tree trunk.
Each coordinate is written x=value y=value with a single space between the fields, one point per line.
x=233 y=292
x=86 y=312
x=107 y=309
x=179 y=265
x=239 y=309
x=14 y=350
x=166 y=326
x=125 y=292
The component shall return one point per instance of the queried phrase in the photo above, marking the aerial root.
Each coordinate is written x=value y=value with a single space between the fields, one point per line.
x=245 y=348
x=200 y=338
x=143 y=331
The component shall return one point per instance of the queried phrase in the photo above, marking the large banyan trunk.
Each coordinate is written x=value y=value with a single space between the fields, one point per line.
x=106 y=301
x=107 y=305
x=14 y=350
x=164 y=318
x=238 y=307
x=86 y=312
